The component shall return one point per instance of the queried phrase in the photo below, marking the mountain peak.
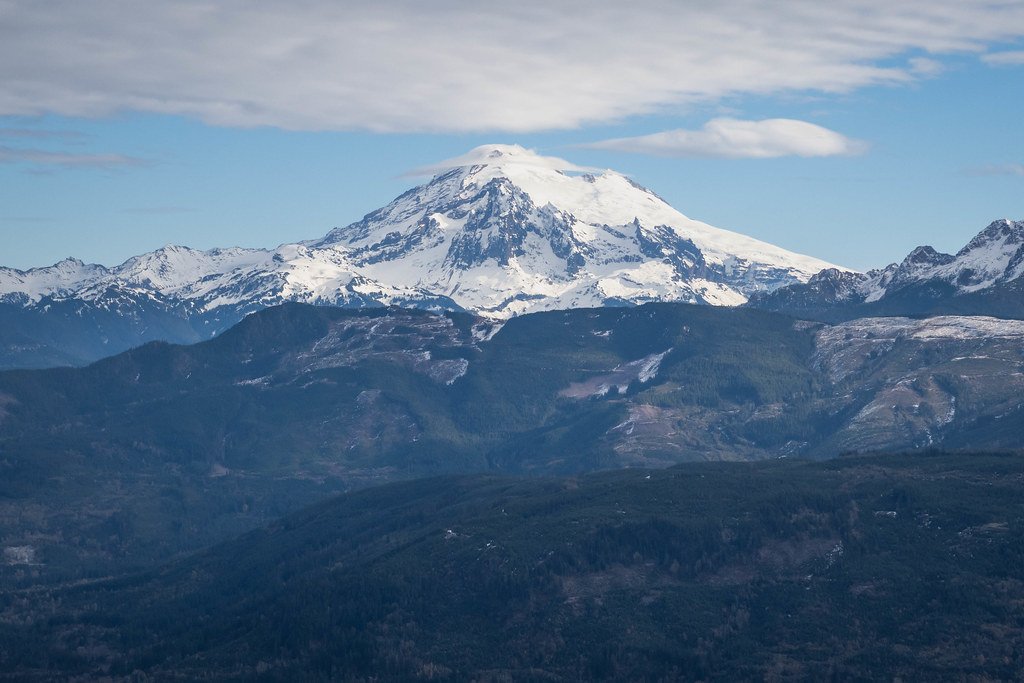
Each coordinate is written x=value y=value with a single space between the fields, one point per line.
x=991 y=266
x=496 y=156
x=1003 y=231
x=506 y=152
x=927 y=254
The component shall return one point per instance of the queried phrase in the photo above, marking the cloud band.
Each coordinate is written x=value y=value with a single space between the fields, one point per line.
x=453 y=65
x=736 y=139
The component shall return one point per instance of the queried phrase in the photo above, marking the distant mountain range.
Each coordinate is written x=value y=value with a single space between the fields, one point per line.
x=983 y=278
x=503 y=232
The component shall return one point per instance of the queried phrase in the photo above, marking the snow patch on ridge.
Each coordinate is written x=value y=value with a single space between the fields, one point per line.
x=843 y=348
x=642 y=370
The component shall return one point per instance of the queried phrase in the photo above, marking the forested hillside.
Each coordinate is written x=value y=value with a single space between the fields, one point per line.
x=898 y=566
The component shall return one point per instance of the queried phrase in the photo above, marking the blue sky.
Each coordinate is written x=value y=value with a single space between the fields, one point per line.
x=255 y=127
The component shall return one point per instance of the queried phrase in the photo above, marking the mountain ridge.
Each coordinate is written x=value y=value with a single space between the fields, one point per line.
x=982 y=278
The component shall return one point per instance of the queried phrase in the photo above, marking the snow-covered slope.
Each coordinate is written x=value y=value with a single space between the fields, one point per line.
x=60 y=279
x=501 y=231
x=506 y=231
x=994 y=256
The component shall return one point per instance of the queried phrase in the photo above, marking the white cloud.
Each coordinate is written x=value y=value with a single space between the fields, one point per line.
x=997 y=169
x=501 y=154
x=737 y=139
x=41 y=134
x=1013 y=58
x=457 y=65
x=926 y=67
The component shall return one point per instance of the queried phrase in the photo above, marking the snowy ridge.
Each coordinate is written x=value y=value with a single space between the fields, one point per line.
x=62 y=278
x=501 y=232
x=959 y=327
x=995 y=255
x=845 y=347
x=992 y=263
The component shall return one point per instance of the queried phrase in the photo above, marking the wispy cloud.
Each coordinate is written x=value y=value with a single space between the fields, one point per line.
x=158 y=210
x=497 y=153
x=737 y=139
x=925 y=66
x=1013 y=58
x=40 y=134
x=451 y=65
x=27 y=219
x=67 y=160
x=997 y=169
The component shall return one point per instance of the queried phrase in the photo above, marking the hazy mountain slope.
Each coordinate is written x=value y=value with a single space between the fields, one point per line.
x=166 y=448
x=856 y=569
x=919 y=382
x=190 y=443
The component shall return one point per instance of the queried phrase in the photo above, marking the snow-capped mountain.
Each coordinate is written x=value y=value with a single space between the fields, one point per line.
x=995 y=256
x=60 y=280
x=985 y=277
x=501 y=232
x=507 y=232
